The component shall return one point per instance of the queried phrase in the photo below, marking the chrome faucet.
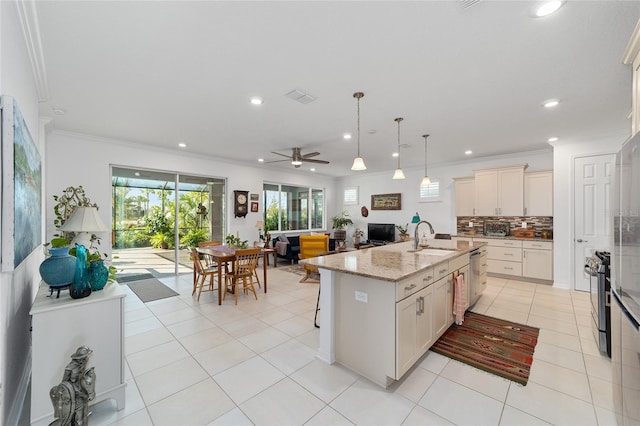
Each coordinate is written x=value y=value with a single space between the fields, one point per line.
x=415 y=236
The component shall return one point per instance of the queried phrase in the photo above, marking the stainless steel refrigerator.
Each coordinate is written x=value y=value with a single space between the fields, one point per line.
x=625 y=276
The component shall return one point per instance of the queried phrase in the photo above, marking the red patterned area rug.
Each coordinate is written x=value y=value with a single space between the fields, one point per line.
x=497 y=346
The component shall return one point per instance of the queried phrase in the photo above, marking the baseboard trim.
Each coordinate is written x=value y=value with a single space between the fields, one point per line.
x=17 y=405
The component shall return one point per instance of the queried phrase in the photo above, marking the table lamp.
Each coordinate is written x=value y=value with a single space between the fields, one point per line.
x=84 y=221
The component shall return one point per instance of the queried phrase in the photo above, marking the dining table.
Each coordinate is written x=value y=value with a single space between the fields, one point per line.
x=221 y=255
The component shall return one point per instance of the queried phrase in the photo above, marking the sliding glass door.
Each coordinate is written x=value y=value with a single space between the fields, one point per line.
x=158 y=215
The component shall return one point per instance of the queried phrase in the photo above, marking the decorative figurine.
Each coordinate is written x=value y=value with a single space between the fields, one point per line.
x=71 y=397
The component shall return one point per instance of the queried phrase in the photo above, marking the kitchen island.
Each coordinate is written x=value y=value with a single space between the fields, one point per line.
x=382 y=308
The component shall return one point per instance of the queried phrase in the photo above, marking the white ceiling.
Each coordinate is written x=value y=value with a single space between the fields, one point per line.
x=162 y=72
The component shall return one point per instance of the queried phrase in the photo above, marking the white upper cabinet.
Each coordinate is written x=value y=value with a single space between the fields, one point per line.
x=500 y=192
x=538 y=193
x=632 y=57
x=465 y=196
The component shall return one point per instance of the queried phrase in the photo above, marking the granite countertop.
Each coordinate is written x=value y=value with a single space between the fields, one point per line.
x=392 y=262
x=508 y=237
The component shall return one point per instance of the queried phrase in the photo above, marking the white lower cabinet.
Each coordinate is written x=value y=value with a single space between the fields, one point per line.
x=442 y=305
x=537 y=260
x=414 y=329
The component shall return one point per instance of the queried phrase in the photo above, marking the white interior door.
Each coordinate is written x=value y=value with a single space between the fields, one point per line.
x=592 y=189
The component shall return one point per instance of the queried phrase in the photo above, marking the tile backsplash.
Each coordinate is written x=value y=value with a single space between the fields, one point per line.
x=537 y=223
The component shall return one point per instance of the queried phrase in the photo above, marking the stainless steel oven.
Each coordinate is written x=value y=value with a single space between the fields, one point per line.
x=597 y=267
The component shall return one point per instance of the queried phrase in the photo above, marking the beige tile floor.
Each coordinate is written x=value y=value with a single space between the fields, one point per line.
x=197 y=363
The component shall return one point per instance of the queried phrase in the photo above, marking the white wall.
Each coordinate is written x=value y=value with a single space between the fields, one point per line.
x=563 y=217
x=75 y=159
x=17 y=289
x=440 y=214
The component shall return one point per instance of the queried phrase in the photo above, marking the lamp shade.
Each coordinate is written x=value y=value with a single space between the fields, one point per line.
x=358 y=164
x=84 y=219
x=260 y=224
x=398 y=174
x=425 y=182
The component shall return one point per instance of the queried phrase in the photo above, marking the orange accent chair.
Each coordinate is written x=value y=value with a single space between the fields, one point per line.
x=312 y=246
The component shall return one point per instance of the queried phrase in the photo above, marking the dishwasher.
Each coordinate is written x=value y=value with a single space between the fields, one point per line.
x=478 y=281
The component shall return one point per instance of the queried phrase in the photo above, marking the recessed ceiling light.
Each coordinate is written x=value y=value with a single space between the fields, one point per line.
x=255 y=100
x=260 y=160
x=551 y=103
x=553 y=139
x=182 y=145
x=313 y=169
x=59 y=111
x=395 y=154
x=346 y=136
x=468 y=152
x=547 y=8
x=137 y=173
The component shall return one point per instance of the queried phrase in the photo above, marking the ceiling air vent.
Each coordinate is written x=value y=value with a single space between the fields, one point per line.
x=300 y=96
x=468 y=3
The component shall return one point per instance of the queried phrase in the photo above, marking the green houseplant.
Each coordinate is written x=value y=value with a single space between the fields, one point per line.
x=339 y=223
x=404 y=232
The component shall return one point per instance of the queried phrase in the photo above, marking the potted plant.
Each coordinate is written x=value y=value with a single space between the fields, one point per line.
x=160 y=229
x=233 y=241
x=339 y=222
x=403 y=230
x=357 y=235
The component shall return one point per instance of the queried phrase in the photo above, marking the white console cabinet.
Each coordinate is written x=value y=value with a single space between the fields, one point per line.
x=59 y=327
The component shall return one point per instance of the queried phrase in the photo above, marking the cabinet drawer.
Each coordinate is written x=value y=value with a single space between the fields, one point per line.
x=505 y=253
x=440 y=270
x=505 y=243
x=409 y=286
x=507 y=268
x=540 y=245
x=458 y=262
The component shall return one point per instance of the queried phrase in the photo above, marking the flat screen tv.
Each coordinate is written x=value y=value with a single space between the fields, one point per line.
x=380 y=233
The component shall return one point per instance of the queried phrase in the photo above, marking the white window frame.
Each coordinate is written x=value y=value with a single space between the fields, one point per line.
x=431 y=198
x=349 y=200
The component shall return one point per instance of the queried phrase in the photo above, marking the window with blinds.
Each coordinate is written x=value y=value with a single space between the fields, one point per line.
x=431 y=192
x=351 y=196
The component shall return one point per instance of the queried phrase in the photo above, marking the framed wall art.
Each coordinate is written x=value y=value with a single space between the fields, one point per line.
x=21 y=187
x=386 y=202
x=254 y=206
x=255 y=197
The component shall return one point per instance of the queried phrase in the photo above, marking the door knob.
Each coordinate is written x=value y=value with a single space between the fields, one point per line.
x=580 y=240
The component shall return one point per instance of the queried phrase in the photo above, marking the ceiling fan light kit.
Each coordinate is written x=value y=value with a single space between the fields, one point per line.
x=297 y=158
x=358 y=162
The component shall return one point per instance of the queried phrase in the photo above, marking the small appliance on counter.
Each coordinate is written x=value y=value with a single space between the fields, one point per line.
x=493 y=228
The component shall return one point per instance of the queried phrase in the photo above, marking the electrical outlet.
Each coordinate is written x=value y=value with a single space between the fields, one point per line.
x=361 y=296
x=470 y=224
x=524 y=225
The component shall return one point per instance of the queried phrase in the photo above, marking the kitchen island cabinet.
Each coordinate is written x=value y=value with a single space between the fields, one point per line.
x=379 y=306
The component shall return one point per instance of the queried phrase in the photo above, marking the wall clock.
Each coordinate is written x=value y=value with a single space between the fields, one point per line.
x=240 y=203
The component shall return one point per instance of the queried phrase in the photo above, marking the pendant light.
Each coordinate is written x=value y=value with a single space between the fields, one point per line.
x=425 y=180
x=358 y=162
x=398 y=173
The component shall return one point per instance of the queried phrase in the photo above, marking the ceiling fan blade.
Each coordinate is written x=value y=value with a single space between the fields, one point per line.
x=282 y=155
x=311 y=154
x=275 y=161
x=309 y=160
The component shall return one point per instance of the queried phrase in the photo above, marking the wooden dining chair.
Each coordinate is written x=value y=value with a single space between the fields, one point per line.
x=202 y=272
x=206 y=258
x=242 y=270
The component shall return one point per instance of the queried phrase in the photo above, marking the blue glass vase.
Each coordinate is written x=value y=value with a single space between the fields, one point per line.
x=80 y=286
x=58 y=269
x=98 y=275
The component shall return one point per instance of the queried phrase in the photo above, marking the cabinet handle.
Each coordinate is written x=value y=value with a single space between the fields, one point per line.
x=443 y=271
x=412 y=286
x=509 y=268
x=525 y=211
x=418 y=306
x=421 y=305
x=508 y=254
x=425 y=279
x=474 y=211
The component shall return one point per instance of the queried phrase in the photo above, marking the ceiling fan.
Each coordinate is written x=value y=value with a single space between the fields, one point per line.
x=297 y=158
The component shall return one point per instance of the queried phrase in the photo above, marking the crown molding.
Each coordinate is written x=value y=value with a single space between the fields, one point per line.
x=31 y=30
